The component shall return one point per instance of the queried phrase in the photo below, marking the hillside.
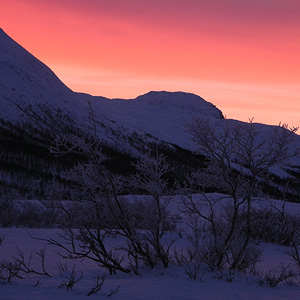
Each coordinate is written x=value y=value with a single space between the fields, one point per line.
x=36 y=107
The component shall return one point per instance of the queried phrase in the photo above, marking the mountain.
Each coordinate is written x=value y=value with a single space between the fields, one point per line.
x=36 y=106
x=24 y=80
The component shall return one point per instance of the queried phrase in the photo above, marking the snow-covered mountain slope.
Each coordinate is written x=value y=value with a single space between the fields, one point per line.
x=23 y=78
x=25 y=81
x=161 y=114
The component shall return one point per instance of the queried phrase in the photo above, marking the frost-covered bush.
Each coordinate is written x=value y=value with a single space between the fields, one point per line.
x=96 y=210
x=239 y=159
x=209 y=243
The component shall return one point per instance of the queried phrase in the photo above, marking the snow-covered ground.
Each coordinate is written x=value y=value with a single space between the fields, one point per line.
x=171 y=283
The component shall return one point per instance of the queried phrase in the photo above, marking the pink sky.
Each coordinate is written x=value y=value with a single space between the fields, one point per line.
x=241 y=55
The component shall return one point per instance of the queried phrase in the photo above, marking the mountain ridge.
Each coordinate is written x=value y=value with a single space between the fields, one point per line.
x=35 y=103
x=13 y=54
x=25 y=80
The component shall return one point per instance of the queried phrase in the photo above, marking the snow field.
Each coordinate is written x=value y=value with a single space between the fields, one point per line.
x=157 y=284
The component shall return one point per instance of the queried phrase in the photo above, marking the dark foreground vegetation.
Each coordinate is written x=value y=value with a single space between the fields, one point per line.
x=222 y=233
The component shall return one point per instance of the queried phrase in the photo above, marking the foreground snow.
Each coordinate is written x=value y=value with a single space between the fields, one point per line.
x=172 y=283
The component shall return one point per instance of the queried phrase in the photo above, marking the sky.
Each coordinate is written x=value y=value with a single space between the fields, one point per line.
x=241 y=55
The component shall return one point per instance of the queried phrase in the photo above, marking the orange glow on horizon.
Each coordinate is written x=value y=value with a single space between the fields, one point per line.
x=243 y=56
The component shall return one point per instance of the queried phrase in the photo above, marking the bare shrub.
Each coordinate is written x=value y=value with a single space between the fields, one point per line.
x=154 y=218
x=208 y=244
x=113 y=291
x=276 y=276
x=195 y=271
x=8 y=271
x=24 y=264
x=70 y=279
x=275 y=227
x=97 y=211
x=20 y=266
x=98 y=283
x=239 y=159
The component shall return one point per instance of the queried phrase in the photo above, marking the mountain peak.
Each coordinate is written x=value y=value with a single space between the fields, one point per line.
x=2 y=32
x=11 y=50
x=181 y=100
x=26 y=80
x=23 y=78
